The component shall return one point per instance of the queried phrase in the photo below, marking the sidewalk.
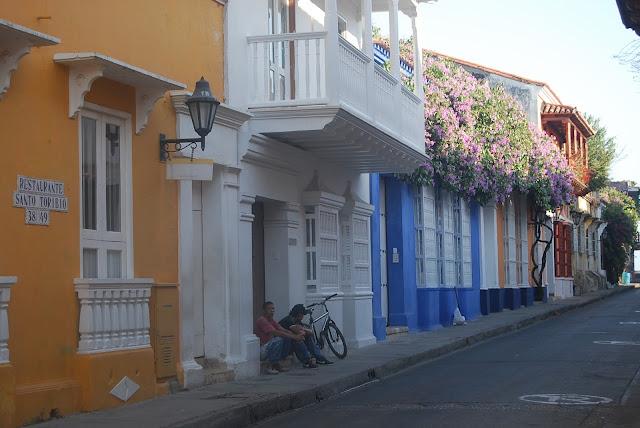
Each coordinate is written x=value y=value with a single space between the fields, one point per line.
x=240 y=403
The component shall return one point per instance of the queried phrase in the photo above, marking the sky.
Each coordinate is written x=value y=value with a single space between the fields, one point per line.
x=568 y=44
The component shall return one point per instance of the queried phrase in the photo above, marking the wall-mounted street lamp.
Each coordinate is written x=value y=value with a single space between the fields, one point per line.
x=202 y=109
x=576 y=217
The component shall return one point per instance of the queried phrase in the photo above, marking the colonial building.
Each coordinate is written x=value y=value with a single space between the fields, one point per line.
x=89 y=219
x=284 y=212
x=573 y=263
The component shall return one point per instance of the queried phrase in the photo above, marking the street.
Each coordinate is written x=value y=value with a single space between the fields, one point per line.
x=548 y=375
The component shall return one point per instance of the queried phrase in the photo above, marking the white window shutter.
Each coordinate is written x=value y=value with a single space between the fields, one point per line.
x=466 y=244
x=430 y=242
x=328 y=249
x=449 y=245
x=510 y=218
x=525 y=242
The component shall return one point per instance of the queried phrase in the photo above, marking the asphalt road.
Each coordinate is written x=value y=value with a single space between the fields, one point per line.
x=511 y=381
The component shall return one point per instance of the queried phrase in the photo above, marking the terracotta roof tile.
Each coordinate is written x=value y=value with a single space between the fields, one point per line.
x=563 y=110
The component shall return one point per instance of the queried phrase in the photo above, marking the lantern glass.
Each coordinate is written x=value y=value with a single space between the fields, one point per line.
x=202 y=108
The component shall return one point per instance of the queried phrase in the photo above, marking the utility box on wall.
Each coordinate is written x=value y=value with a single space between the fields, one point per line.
x=164 y=329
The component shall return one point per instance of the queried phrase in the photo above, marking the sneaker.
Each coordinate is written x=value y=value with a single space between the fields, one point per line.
x=271 y=370
x=310 y=365
x=325 y=362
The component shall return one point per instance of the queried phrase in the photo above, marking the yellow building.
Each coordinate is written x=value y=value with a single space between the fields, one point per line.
x=88 y=219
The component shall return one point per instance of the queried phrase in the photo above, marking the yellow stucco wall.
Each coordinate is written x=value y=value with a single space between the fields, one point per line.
x=167 y=37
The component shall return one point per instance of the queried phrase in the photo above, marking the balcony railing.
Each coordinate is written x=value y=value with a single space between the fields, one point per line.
x=287 y=69
x=291 y=70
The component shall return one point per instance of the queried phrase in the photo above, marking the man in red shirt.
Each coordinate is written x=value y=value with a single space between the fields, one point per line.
x=275 y=341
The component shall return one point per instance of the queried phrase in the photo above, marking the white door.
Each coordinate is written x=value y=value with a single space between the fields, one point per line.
x=278 y=16
x=198 y=283
x=384 y=291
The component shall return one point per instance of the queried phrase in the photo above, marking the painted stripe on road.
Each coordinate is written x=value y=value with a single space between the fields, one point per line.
x=566 y=399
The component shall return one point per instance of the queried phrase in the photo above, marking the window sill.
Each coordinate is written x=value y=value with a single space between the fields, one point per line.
x=89 y=283
x=7 y=281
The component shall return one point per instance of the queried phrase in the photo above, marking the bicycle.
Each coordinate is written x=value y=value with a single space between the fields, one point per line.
x=329 y=331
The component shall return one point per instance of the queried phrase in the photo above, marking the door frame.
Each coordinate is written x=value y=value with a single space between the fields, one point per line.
x=384 y=279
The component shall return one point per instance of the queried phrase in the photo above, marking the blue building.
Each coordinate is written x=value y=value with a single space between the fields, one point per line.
x=433 y=251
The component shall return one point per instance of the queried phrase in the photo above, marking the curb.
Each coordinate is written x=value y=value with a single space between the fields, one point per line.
x=250 y=413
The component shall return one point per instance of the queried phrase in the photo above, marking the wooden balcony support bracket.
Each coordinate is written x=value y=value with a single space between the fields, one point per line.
x=16 y=42
x=86 y=67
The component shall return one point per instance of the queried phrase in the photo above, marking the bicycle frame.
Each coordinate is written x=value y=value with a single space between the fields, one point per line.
x=329 y=330
x=326 y=317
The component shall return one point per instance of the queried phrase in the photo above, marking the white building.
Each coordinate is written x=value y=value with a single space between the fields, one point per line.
x=277 y=207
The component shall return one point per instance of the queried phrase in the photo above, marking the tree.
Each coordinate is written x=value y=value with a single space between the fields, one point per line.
x=602 y=152
x=618 y=237
x=630 y=56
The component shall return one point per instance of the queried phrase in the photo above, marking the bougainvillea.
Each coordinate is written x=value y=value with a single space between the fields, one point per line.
x=480 y=145
x=451 y=139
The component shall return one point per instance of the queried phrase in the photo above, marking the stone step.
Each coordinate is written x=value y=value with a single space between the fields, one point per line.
x=215 y=371
x=218 y=376
x=397 y=329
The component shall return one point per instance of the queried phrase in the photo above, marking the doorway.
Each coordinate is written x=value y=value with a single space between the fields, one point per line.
x=257 y=258
x=384 y=289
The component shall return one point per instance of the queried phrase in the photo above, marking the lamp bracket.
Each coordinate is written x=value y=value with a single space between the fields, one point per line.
x=179 y=144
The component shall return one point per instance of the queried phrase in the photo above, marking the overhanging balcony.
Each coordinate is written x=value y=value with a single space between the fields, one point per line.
x=317 y=91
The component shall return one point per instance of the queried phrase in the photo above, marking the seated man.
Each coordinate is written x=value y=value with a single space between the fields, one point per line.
x=310 y=351
x=275 y=341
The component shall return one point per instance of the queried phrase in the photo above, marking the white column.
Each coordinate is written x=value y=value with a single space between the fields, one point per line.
x=249 y=364
x=550 y=267
x=215 y=266
x=394 y=41
x=6 y=282
x=192 y=371
x=332 y=77
x=417 y=61
x=394 y=38
x=228 y=291
x=367 y=48
x=599 y=232
x=356 y=272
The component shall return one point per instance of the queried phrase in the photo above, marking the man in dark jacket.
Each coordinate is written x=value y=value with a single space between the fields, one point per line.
x=293 y=322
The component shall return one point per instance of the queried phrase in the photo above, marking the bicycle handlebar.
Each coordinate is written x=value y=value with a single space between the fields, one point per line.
x=330 y=297
x=323 y=302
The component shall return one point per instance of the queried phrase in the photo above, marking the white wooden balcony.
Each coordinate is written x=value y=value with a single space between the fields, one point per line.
x=336 y=103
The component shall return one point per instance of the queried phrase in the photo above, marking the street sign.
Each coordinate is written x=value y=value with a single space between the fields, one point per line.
x=39 y=196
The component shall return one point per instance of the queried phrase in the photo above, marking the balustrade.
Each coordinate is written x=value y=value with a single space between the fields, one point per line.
x=353 y=75
x=287 y=67
x=412 y=114
x=290 y=70
x=385 y=106
x=114 y=314
x=5 y=296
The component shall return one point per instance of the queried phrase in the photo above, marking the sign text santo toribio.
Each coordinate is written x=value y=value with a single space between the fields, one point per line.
x=38 y=197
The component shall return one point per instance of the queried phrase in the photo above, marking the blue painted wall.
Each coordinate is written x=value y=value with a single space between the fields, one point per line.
x=448 y=304
x=470 y=298
x=379 y=322
x=429 y=308
x=400 y=234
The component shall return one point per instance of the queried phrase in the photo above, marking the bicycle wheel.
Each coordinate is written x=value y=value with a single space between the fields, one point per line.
x=335 y=340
